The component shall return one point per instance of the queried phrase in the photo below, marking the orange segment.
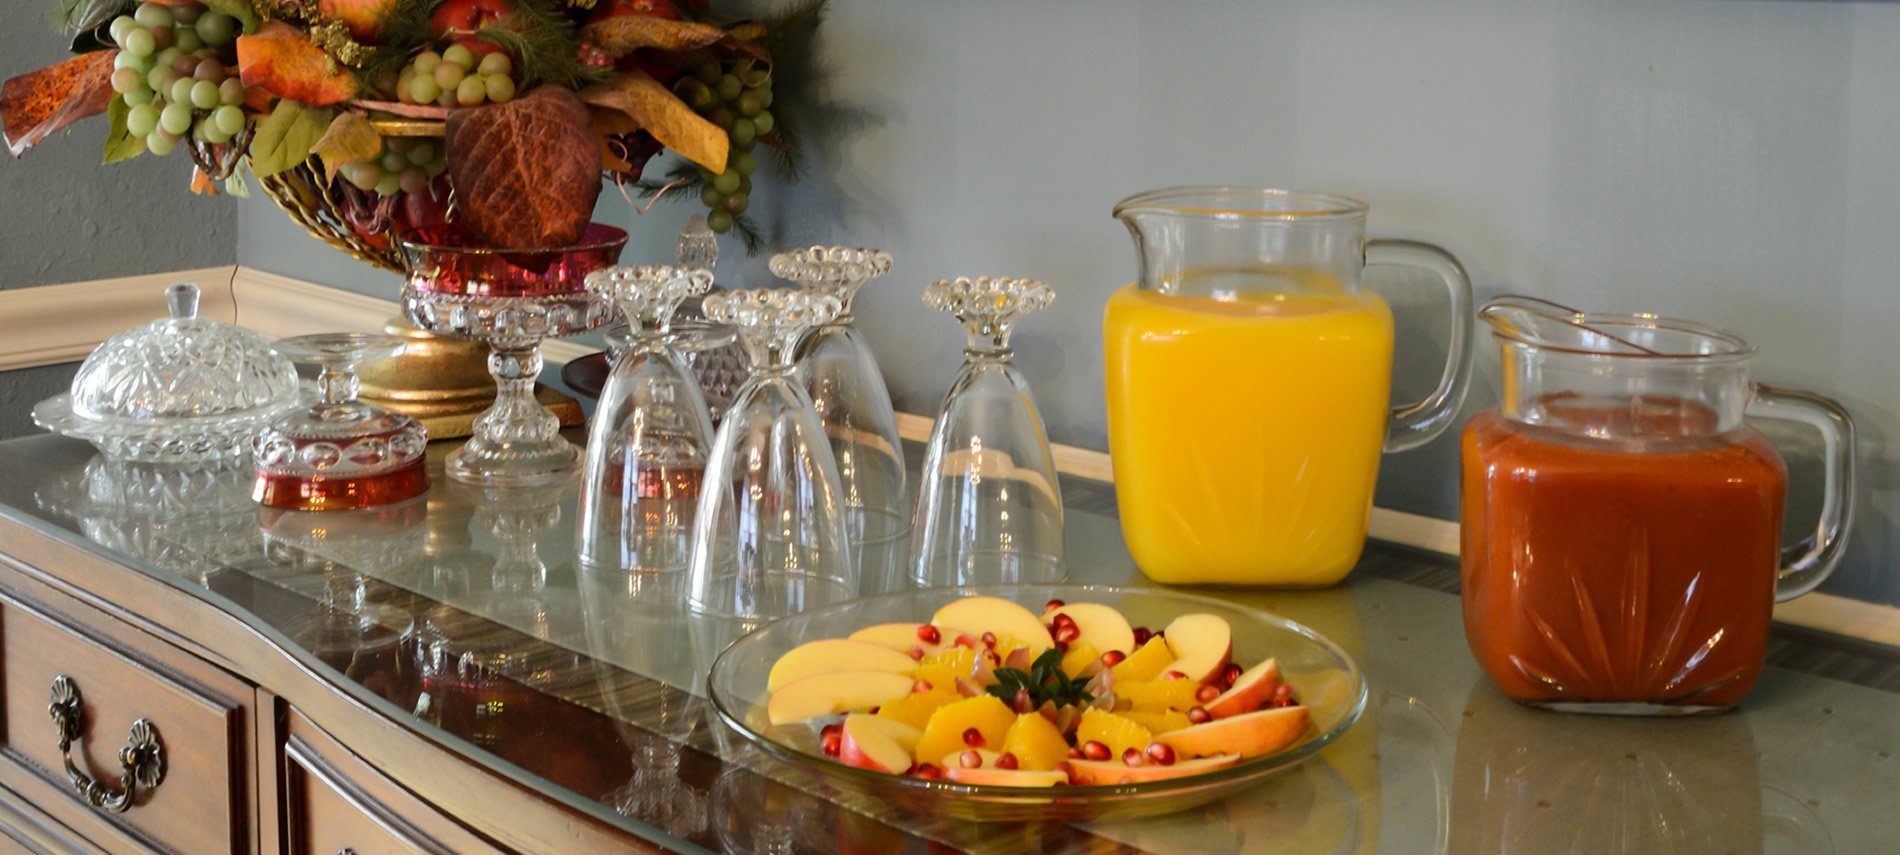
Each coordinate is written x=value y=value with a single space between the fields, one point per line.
x=942 y=668
x=1158 y=695
x=914 y=709
x=1117 y=732
x=943 y=733
x=1036 y=742
x=1146 y=663
x=1081 y=656
x=1165 y=721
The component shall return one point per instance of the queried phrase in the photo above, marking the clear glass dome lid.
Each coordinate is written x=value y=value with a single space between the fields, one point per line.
x=179 y=389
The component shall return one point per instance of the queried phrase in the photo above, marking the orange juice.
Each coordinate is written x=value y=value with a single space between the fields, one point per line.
x=1246 y=430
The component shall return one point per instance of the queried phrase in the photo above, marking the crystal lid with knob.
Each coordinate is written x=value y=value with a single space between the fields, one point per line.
x=180 y=389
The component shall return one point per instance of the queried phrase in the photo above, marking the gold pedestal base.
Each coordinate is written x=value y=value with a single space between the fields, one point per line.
x=444 y=384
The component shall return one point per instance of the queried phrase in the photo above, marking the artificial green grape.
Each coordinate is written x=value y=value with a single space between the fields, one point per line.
x=436 y=167
x=710 y=196
x=209 y=70
x=231 y=91
x=180 y=92
x=389 y=185
x=187 y=40
x=229 y=120
x=152 y=15
x=471 y=91
x=161 y=78
x=204 y=131
x=423 y=90
x=122 y=59
x=175 y=118
x=204 y=94
x=696 y=94
x=139 y=96
x=141 y=120
x=765 y=97
x=743 y=131
x=722 y=117
x=364 y=174
x=726 y=182
x=127 y=79
x=448 y=75
x=736 y=203
x=425 y=62
x=719 y=221
x=138 y=41
x=743 y=162
x=446 y=98
x=161 y=143
x=187 y=14
x=499 y=87
x=763 y=123
x=413 y=180
x=729 y=87
x=163 y=39
x=748 y=104
x=496 y=63
x=216 y=28
x=420 y=151
x=393 y=162
x=459 y=56
x=185 y=65
x=118 y=27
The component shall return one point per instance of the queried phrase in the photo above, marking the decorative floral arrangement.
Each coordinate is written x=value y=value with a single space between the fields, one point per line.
x=500 y=117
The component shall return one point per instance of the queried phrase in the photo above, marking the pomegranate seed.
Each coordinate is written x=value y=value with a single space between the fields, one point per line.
x=873 y=710
x=921 y=686
x=1199 y=715
x=989 y=640
x=831 y=730
x=927 y=771
x=1161 y=633
x=994 y=659
x=970 y=759
x=1131 y=757
x=1095 y=750
x=1052 y=605
x=1067 y=633
x=929 y=634
x=1062 y=646
x=1142 y=634
x=1113 y=658
x=1161 y=753
x=1231 y=673
x=1206 y=693
x=833 y=743
x=1075 y=753
x=966 y=640
x=1282 y=696
x=973 y=738
x=1006 y=760
x=917 y=654
x=1174 y=675
x=1064 y=620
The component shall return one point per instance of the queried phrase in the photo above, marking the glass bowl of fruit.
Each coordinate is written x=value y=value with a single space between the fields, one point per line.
x=1038 y=702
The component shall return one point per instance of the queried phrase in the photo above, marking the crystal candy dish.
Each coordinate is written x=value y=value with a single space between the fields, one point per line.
x=1329 y=683
x=181 y=389
x=339 y=453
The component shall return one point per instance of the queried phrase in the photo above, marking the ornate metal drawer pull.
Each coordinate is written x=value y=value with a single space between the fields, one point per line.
x=143 y=757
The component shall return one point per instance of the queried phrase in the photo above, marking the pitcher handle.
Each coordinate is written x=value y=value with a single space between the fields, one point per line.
x=1808 y=563
x=1414 y=425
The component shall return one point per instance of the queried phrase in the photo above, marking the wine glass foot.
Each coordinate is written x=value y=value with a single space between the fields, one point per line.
x=516 y=464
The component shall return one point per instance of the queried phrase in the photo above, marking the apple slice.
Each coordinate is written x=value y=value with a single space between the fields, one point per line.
x=835 y=654
x=1102 y=772
x=1005 y=777
x=1251 y=690
x=1249 y=734
x=832 y=693
x=1200 y=644
x=902 y=637
x=1099 y=625
x=997 y=615
x=867 y=744
x=905 y=735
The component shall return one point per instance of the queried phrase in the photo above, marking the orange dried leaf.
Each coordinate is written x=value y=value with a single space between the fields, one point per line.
x=36 y=104
x=651 y=107
x=280 y=59
x=625 y=34
x=201 y=183
x=349 y=139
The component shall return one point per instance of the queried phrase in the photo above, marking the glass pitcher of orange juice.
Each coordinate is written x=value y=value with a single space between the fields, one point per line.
x=1248 y=383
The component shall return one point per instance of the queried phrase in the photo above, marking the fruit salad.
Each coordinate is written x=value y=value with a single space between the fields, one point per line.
x=988 y=692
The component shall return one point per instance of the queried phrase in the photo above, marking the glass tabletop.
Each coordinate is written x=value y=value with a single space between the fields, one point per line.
x=466 y=613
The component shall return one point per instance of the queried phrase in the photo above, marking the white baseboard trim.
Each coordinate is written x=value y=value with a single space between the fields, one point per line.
x=62 y=323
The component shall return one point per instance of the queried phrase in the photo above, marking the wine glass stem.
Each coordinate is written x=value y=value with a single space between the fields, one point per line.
x=337 y=384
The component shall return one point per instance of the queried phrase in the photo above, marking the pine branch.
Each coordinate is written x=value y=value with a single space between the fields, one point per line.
x=789 y=33
x=405 y=31
x=545 y=43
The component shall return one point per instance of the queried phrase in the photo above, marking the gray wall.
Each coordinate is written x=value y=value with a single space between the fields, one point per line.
x=71 y=219
x=1726 y=161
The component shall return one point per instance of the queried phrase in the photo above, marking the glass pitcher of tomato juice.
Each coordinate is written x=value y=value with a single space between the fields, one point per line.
x=1248 y=377
x=1622 y=524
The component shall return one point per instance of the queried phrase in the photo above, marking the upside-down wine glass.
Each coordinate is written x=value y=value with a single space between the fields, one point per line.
x=511 y=299
x=769 y=538
x=651 y=434
x=837 y=369
x=338 y=452
x=989 y=509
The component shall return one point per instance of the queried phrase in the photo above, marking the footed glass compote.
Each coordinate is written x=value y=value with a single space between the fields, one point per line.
x=989 y=509
x=339 y=453
x=770 y=538
x=651 y=434
x=837 y=369
x=511 y=299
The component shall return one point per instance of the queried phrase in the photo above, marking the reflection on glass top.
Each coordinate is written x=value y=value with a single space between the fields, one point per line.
x=466 y=611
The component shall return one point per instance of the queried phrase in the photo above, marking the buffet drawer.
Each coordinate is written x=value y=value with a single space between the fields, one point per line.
x=335 y=802
x=199 y=714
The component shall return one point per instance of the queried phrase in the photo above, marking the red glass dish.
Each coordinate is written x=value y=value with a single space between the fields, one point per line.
x=450 y=260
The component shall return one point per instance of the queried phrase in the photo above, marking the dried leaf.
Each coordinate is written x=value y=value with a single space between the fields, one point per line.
x=647 y=105
x=120 y=144
x=284 y=138
x=526 y=173
x=280 y=59
x=201 y=183
x=236 y=186
x=627 y=33
x=38 y=103
x=350 y=138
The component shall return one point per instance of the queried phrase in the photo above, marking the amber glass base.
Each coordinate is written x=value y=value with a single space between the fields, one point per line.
x=338 y=494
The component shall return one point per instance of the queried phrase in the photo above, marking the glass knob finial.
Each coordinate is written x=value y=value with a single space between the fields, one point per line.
x=182 y=299
x=698 y=245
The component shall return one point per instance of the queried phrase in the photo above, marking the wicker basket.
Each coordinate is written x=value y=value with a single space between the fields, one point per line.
x=317 y=204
